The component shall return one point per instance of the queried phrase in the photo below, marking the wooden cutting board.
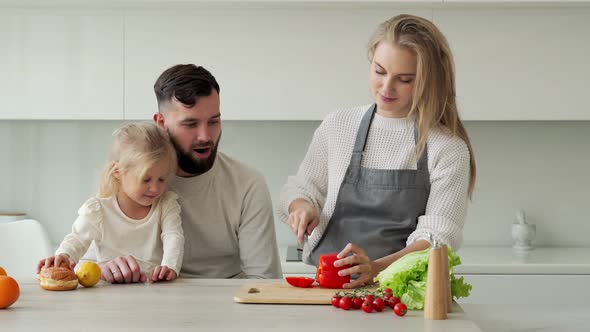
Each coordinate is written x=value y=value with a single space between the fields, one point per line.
x=282 y=292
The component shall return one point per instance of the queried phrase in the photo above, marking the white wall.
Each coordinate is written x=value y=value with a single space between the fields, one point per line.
x=48 y=169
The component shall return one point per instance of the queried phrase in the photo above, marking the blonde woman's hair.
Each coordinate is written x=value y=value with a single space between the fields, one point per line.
x=433 y=97
x=142 y=145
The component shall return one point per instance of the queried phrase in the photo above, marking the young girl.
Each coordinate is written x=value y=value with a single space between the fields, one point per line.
x=134 y=222
x=378 y=179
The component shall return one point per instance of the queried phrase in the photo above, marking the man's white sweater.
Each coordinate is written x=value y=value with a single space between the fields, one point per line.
x=228 y=223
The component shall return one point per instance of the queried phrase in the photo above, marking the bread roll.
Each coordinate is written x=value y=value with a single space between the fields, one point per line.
x=58 y=279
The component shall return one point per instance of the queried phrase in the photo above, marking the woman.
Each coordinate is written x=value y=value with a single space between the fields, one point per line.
x=378 y=179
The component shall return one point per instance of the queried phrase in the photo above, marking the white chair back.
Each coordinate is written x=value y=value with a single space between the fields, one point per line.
x=22 y=244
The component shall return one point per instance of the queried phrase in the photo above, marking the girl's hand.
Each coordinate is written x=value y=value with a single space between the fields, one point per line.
x=62 y=260
x=162 y=273
x=303 y=218
x=360 y=263
x=123 y=269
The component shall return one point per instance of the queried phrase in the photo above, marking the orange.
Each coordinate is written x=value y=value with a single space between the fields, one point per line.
x=2 y=271
x=9 y=291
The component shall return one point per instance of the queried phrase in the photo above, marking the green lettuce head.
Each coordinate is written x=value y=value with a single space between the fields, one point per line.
x=407 y=278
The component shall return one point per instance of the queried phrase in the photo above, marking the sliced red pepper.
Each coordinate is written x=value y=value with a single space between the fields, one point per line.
x=302 y=282
x=331 y=279
x=326 y=262
x=327 y=274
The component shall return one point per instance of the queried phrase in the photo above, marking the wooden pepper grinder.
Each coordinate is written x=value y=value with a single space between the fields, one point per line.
x=448 y=276
x=436 y=303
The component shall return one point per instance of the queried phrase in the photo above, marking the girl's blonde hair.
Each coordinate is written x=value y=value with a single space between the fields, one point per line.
x=141 y=144
x=434 y=90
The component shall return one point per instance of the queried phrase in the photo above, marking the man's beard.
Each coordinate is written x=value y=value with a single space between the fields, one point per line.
x=188 y=163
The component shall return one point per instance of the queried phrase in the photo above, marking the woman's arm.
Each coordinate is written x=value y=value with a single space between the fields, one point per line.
x=446 y=209
x=367 y=269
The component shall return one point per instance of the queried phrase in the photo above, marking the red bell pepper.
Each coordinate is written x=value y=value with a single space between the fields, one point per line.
x=302 y=282
x=327 y=274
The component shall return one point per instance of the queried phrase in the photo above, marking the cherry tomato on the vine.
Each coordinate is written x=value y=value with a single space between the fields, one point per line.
x=357 y=302
x=400 y=309
x=345 y=303
x=393 y=301
x=378 y=304
x=336 y=301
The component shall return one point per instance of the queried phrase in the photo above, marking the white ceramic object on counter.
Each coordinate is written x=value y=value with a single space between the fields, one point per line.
x=12 y=216
x=523 y=233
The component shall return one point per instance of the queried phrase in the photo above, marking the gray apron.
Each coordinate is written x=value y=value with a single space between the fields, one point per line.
x=375 y=209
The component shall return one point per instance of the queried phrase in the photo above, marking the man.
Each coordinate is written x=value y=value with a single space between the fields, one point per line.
x=226 y=207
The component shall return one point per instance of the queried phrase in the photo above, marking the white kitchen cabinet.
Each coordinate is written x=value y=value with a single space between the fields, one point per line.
x=517 y=2
x=208 y=3
x=527 y=289
x=60 y=64
x=272 y=64
x=284 y=61
x=295 y=64
x=520 y=64
x=502 y=275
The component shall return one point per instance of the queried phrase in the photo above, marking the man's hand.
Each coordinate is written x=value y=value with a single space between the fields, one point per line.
x=303 y=218
x=123 y=269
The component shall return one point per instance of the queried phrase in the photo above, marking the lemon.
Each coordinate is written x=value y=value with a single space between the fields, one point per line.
x=88 y=274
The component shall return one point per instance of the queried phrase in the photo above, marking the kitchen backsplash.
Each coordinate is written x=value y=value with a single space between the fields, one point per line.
x=49 y=168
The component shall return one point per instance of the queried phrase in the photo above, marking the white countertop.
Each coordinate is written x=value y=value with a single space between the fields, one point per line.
x=542 y=260
x=195 y=305
x=499 y=260
x=539 y=317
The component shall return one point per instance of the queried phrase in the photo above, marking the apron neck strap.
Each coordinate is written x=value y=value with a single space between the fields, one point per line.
x=363 y=131
x=361 y=136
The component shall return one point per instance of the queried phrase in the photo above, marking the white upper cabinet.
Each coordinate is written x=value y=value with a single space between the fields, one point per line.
x=176 y=3
x=58 y=64
x=271 y=64
x=529 y=64
x=210 y=3
x=289 y=61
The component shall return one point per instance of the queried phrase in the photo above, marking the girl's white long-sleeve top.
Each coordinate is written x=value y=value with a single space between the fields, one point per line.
x=154 y=240
x=390 y=145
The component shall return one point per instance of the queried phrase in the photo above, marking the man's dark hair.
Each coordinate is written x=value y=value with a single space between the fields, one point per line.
x=185 y=83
